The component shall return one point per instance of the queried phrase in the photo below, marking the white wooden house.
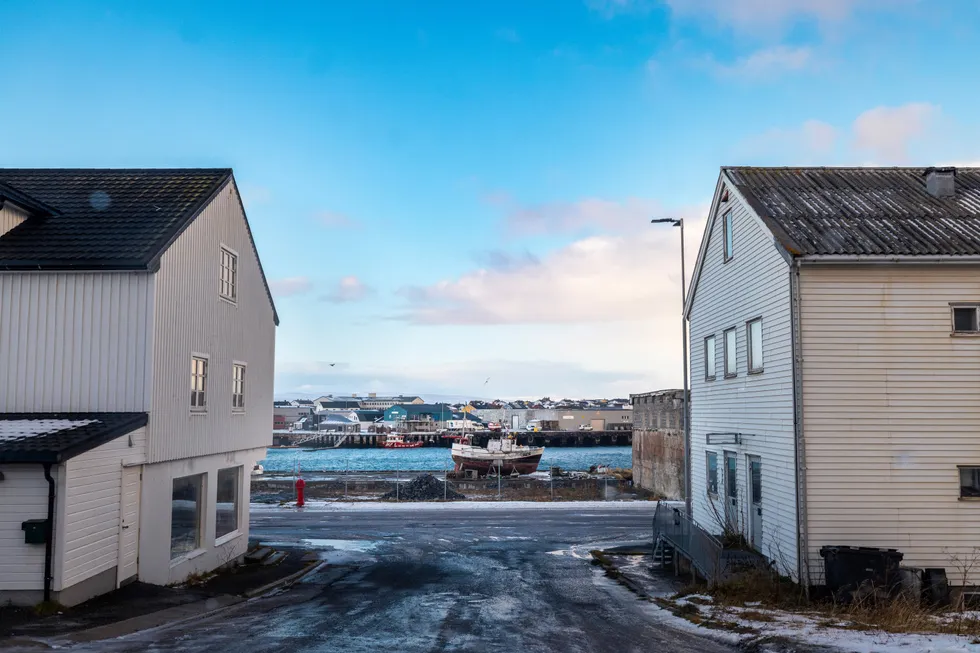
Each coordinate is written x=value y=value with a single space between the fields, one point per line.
x=137 y=337
x=835 y=349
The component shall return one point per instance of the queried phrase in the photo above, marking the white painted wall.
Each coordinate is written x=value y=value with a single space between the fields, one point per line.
x=755 y=283
x=155 y=563
x=23 y=496
x=890 y=408
x=89 y=514
x=75 y=341
x=10 y=217
x=191 y=317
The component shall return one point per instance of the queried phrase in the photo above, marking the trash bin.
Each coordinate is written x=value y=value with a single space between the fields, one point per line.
x=935 y=586
x=847 y=568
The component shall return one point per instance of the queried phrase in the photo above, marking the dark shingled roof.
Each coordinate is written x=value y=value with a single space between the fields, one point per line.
x=34 y=444
x=106 y=219
x=863 y=211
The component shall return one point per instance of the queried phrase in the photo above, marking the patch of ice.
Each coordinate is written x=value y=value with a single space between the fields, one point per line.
x=360 y=546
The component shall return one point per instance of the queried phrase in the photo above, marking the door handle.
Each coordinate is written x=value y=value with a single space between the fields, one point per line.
x=125 y=527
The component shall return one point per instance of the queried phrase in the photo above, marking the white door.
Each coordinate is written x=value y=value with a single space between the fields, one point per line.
x=129 y=523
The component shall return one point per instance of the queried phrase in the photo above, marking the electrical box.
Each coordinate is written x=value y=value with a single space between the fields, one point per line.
x=35 y=531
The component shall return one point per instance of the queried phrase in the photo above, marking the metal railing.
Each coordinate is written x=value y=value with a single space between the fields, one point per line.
x=704 y=551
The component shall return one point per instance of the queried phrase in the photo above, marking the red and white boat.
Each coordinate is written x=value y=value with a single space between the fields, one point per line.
x=501 y=456
x=397 y=441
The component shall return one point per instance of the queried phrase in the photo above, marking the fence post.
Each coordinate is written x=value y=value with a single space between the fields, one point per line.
x=346 y=472
x=445 y=485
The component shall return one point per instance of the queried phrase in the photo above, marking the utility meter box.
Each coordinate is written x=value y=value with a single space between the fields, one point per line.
x=35 y=531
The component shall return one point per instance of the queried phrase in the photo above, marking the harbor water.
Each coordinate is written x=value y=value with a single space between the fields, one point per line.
x=430 y=459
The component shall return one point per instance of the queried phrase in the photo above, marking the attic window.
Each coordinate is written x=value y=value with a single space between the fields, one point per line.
x=228 y=283
x=965 y=320
x=729 y=236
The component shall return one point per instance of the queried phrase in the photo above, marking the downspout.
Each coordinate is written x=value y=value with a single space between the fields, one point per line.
x=49 y=539
x=799 y=447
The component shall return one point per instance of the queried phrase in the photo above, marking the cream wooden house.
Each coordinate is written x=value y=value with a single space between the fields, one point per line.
x=835 y=349
x=137 y=336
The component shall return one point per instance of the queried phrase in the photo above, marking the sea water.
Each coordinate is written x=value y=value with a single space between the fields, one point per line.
x=431 y=459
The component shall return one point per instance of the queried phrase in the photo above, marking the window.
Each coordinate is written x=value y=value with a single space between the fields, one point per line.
x=729 y=236
x=238 y=387
x=969 y=482
x=199 y=383
x=709 y=358
x=965 y=319
x=731 y=360
x=228 y=285
x=226 y=515
x=185 y=515
x=731 y=475
x=712 y=461
x=753 y=335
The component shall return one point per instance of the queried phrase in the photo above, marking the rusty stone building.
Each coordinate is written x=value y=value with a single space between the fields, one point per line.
x=658 y=442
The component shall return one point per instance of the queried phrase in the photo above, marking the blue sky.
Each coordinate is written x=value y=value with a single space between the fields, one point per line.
x=444 y=193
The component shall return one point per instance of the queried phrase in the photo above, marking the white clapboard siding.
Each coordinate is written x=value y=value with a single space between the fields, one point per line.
x=23 y=495
x=755 y=283
x=75 y=341
x=10 y=217
x=192 y=318
x=891 y=406
x=93 y=483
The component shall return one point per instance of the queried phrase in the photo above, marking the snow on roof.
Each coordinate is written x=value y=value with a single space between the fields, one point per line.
x=19 y=429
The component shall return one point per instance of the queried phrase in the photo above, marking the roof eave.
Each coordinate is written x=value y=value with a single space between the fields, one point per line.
x=889 y=259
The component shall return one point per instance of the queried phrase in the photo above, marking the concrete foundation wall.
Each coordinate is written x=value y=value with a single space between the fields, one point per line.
x=658 y=462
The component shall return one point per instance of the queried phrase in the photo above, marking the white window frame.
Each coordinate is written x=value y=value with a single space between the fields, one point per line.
x=732 y=353
x=228 y=274
x=710 y=371
x=728 y=236
x=755 y=366
x=952 y=318
x=199 y=395
x=238 y=387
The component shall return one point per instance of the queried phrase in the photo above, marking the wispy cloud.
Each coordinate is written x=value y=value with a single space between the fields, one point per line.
x=498 y=259
x=335 y=220
x=508 y=34
x=766 y=64
x=887 y=132
x=290 y=286
x=593 y=214
x=348 y=289
x=753 y=15
x=613 y=8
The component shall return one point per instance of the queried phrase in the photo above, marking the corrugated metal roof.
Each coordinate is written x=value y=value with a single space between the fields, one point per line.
x=863 y=211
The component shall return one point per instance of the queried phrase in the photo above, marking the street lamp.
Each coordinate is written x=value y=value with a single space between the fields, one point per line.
x=679 y=222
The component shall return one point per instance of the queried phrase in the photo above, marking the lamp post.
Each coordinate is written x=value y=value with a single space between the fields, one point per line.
x=679 y=222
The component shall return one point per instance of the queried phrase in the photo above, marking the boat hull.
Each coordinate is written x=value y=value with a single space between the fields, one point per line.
x=403 y=445
x=508 y=465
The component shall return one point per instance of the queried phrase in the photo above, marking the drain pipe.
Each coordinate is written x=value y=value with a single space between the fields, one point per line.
x=49 y=535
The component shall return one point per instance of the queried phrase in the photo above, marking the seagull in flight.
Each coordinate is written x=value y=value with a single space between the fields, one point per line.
x=487 y=381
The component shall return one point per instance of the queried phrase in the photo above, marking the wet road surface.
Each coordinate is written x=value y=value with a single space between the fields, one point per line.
x=457 y=580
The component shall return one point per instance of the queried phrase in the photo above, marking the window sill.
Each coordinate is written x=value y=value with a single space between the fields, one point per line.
x=233 y=302
x=224 y=539
x=754 y=372
x=709 y=378
x=731 y=376
x=969 y=499
x=965 y=334
x=235 y=412
x=199 y=412
x=187 y=557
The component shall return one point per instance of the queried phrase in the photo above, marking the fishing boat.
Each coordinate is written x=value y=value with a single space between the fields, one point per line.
x=501 y=456
x=397 y=441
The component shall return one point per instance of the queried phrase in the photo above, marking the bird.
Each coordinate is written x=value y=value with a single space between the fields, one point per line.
x=487 y=381
x=332 y=364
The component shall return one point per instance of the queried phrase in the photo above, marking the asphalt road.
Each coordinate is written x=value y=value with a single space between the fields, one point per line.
x=459 y=580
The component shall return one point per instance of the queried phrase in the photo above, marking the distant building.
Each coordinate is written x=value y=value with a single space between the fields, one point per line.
x=658 y=442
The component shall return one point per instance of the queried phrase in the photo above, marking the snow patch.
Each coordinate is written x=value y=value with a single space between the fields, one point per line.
x=18 y=429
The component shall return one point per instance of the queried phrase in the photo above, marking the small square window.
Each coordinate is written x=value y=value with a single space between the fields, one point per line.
x=969 y=482
x=712 y=462
x=238 y=387
x=199 y=383
x=965 y=319
x=709 y=358
x=729 y=236
x=731 y=360
x=228 y=281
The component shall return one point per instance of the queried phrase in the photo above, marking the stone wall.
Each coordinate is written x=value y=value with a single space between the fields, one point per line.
x=658 y=442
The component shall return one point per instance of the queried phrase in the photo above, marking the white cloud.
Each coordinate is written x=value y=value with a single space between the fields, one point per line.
x=768 y=63
x=348 y=289
x=336 y=220
x=607 y=278
x=810 y=143
x=752 y=15
x=887 y=132
x=290 y=286
x=508 y=34
x=570 y=217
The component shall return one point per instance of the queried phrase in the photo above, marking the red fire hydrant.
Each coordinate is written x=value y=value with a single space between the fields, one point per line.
x=300 y=484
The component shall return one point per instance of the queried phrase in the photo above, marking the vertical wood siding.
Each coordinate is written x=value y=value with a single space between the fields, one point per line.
x=755 y=283
x=890 y=409
x=10 y=217
x=23 y=496
x=93 y=488
x=75 y=341
x=191 y=317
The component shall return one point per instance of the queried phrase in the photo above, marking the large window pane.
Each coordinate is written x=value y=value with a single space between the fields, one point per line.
x=709 y=357
x=185 y=515
x=229 y=484
x=755 y=345
x=712 y=460
x=730 y=352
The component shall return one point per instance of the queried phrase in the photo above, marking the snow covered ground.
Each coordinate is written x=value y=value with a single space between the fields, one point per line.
x=387 y=506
